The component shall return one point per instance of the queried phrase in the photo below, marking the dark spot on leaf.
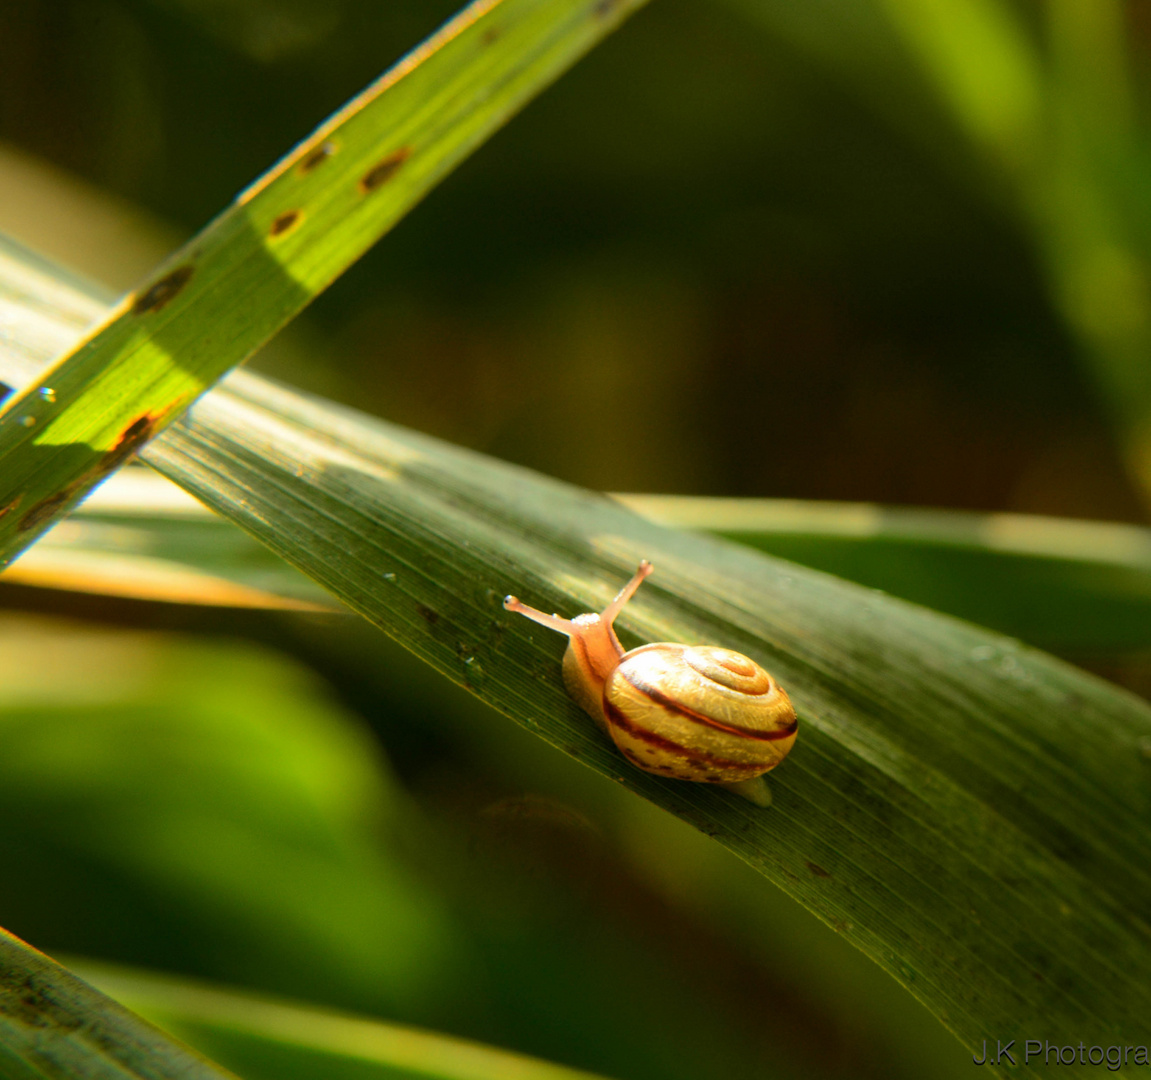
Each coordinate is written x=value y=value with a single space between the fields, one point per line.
x=317 y=157
x=138 y=432
x=46 y=509
x=163 y=291
x=605 y=7
x=491 y=35
x=427 y=613
x=33 y=1004
x=383 y=171
x=284 y=222
x=9 y=507
x=817 y=870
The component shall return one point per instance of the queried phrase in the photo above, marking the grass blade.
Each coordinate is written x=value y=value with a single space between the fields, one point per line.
x=958 y=806
x=53 y=1025
x=1078 y=587
x=284 y=240
x=271 y=1040
x=140 y=537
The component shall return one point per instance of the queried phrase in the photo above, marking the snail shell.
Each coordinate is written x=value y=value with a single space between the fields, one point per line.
x=693 y=712
x=697 y=713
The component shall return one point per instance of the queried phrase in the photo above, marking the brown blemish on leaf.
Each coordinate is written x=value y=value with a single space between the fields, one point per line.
x=383 y=171
x=817 y=870
x=46 y=509
x=289 y=219
x=138 y=432
x=317 y=157
x=432 y=617
x=8 y=508
x=163 y=291
x=491 y=35
x=605 y=7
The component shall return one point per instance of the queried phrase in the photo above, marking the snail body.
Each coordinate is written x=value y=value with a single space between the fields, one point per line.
x=691 y=712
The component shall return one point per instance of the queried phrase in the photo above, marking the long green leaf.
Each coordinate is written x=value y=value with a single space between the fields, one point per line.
x=1080 y=588
x=53 y=1025
x=284 y=240
x=271 y=1040
x=969 y=812
x=140 y=537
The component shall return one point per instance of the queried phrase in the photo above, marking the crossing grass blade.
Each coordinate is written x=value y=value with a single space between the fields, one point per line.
x=272 y=1040
x=284 y=240
x=53 y=1025
x=1080 y=588
x=140 y=537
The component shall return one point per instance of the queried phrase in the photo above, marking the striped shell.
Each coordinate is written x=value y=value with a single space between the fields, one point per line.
x=697 y=713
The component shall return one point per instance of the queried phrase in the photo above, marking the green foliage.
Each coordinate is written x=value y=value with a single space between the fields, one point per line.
x=54 y=1025
x=1078 y=588
x=958 y=806
x=285 y=239
x=173 y=770
x=1051 y=107
x=968 y=812
x=268 y=1040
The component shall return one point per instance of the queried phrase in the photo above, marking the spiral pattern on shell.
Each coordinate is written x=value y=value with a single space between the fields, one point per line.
x=697 y=713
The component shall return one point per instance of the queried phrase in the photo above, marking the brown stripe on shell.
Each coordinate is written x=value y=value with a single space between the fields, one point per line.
x=701 y=757
x=662 y=699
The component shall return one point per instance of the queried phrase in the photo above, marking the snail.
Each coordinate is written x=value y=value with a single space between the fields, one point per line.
x=692 y=712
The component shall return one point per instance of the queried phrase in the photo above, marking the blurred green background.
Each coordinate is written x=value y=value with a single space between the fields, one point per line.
x=881 y=250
